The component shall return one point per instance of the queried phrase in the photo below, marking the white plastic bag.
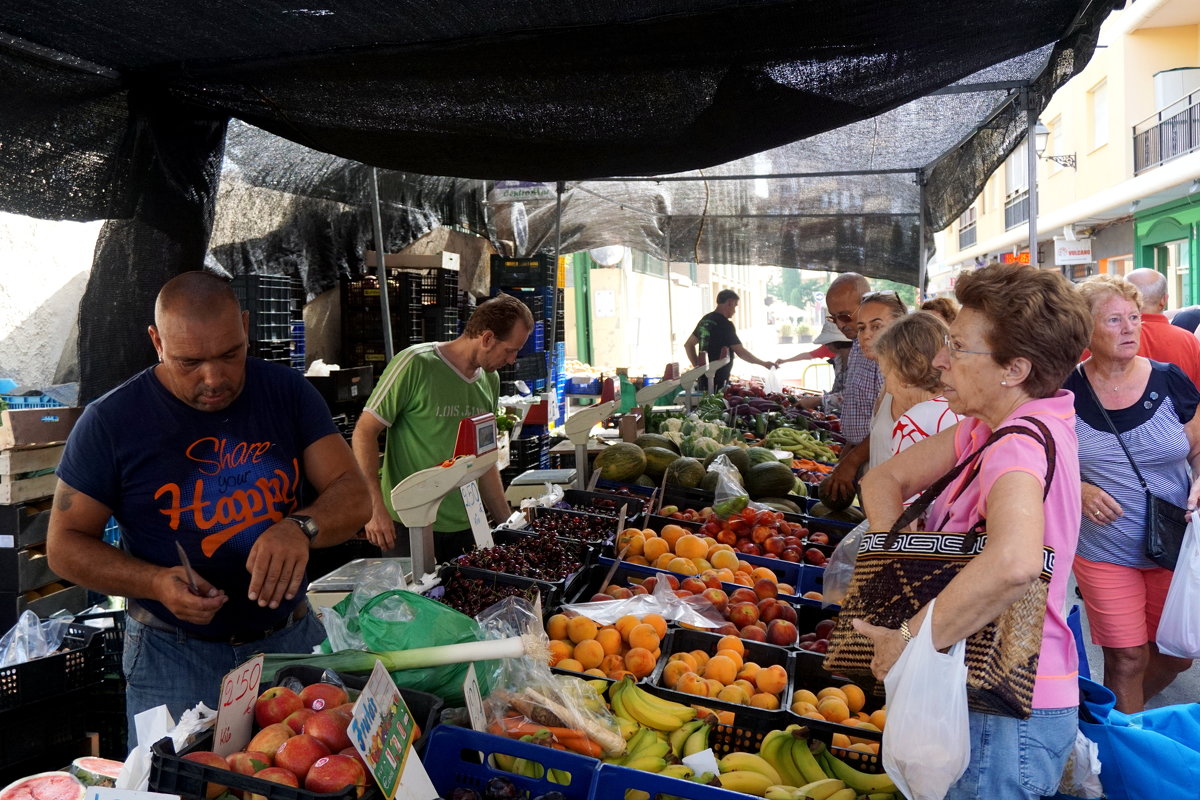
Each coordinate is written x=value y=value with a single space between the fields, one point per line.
x=927 y=741
x=1081 y=776
x=1179 y=625
x=772 y=384
x=840 y=567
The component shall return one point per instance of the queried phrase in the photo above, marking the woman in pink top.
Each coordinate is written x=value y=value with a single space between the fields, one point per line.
x=1020 y=332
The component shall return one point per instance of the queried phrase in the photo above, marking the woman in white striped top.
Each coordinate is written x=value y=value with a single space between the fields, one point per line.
x=1152 y=405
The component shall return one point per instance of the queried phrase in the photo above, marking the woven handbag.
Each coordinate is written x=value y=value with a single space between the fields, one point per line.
x=898 y=572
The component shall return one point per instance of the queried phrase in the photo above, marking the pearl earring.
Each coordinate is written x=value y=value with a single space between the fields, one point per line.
x=1004 y=383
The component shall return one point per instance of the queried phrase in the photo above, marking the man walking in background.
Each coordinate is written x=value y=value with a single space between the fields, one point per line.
x=716 y=336
x=1161 y=340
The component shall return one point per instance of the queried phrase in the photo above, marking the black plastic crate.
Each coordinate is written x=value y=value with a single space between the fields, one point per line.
x=532 y=272
x=172 y=774
x=111 y=628
x=525 y=369
x=606 y=504
x=77 y=667
x=426 y=708
x=809 y=674
x=51 y=724
x=261 y=290
x=105 y=717
x=501 y=583
x=602 y=528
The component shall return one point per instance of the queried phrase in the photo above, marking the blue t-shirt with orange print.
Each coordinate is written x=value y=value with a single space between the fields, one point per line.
x=213 y=481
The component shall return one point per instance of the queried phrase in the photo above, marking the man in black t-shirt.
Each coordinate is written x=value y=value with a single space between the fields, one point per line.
x=716 y=336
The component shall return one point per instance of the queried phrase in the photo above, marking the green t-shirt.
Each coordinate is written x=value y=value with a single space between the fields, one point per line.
x=421 y=398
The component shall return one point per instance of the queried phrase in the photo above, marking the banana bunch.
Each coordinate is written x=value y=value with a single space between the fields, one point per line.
x=528 y=768
x=801 y=444
x=690 y=739
x=805 y=769
x=630 y=702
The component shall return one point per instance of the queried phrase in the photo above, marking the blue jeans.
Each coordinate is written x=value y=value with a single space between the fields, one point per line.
x=177 y=671
x=1017 y=759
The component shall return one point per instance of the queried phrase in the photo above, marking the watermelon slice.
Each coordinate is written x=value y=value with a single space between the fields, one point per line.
x=94 y=771
x=45 y=786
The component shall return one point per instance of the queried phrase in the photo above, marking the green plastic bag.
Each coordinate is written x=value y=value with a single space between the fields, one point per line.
x=431 y=624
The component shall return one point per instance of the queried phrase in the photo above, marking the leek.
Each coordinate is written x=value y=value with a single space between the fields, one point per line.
x=363 y=661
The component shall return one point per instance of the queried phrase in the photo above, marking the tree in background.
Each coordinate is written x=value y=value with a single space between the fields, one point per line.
x=790 y=288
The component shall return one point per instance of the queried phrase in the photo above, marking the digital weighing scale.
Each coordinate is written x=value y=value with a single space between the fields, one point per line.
x=417 y=498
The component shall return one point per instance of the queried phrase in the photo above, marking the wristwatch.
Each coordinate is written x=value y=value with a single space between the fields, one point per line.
x=308 y=526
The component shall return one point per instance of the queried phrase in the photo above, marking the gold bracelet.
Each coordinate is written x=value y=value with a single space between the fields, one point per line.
x=905 y=633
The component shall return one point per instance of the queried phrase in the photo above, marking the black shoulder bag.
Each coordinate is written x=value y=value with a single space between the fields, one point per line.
x=1165 y=521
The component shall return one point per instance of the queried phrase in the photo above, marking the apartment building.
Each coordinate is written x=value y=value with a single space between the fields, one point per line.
x=1118 y=168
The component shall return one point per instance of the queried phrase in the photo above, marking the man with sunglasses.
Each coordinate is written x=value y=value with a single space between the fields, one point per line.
x=862 y=387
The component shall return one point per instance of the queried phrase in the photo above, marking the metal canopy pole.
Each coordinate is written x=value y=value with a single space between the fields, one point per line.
x=670 y=302
x=380 y=268
x=1031 y=160
x=924 y=254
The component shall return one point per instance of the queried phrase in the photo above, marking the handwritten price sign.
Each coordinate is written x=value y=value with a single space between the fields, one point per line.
x=235 y=716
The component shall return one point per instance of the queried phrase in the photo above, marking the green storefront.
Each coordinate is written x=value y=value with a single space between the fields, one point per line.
x=1167 y=238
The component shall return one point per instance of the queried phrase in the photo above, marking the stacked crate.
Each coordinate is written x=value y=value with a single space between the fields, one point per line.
x=423 y=304
x=269 y=301
x=31 y=444
x=537 y=282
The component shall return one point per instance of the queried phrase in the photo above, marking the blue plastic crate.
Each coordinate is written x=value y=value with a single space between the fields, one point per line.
x=18 y=402
x=536 y=342
x=612 y=782
x=583 y=386
x=112 y=532
x=462 y=757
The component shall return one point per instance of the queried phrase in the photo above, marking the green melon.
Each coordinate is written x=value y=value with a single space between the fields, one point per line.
x=769 y=479
x=685 y=472
x=658 y=459
x=781 y=504
x=621 y=462
x=760 y=455
x=646 y=480
x=655 y=440
x=847 y=514
x=738 y=456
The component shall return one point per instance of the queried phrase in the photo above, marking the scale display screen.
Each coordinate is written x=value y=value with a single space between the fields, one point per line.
x=477 y=436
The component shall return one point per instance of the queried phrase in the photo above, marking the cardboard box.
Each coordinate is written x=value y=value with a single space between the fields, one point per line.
x=36 y=427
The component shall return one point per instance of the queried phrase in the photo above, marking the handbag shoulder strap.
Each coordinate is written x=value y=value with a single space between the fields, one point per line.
x=1111 y=427
x=918 y=507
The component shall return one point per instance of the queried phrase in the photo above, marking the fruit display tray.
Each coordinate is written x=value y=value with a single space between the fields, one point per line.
x=612 y=782
x=809 y=673
x=609 y=523
x=79 y=664
x=636 y=505
x=551 y=593
x=461 y=757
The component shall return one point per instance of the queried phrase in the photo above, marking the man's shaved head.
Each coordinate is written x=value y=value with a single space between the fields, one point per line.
x=849 y=281
x=1154 y=289
x=192 y=294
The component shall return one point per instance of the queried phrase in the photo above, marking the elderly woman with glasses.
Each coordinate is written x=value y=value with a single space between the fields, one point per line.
x=1152 y=407
x=1020 y=332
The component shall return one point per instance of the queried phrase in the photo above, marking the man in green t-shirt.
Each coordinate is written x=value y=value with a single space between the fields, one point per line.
x=420 y=398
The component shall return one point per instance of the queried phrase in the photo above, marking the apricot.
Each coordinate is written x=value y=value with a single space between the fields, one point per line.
x=745 y=684
x=595 y=672
x=556 y=626
x=772 y=679
x=684 y=566
x=643 y=635
x=570 y=664
x=735 y=657
x=855 y=697
x=879 y=718
x=690 y=546
x=726 y=575
x=662 y=561
x=745 y=566
x=701 y=658
x=803 y=709
x=721 y=668
x=610 y=639
x=748 y=671
x=714 y=686
x=613 y=663
x=833 y=709
x=625 y=623
x=731 y=642
x=763 y=700
x=786 y=588
x=673 y=671
x=733 y=694
x=806 y=696
x=759 y=573
x=639 y=560
x=686 y=658
x=639 y=661
x=672 y=533
x=654 y=548
x=813 y=596
x=660 y=624
x=581 y=629
x=833 y=691
x=621 y=674
x=724 y=560
x=840 y=740
x=813 y=715
x=559 y=650
x=691 y=683
x=589 y=653
x=633 y=539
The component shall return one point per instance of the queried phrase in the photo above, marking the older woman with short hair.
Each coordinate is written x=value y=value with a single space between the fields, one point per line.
x=1152 y=405
x=1020 y=332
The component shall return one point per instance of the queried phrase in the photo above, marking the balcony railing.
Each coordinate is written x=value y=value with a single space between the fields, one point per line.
x=966 y=237
x=1016 y=210
x=1171 y=133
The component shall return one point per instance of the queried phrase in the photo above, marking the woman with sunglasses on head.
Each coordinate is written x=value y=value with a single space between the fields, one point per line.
x=1152 y=406
x=1020 y=332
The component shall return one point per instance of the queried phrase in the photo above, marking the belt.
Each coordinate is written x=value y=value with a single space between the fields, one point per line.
x=137 y=611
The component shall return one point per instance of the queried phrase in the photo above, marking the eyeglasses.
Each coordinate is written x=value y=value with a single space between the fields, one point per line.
x=843 y=317
x=959 y=352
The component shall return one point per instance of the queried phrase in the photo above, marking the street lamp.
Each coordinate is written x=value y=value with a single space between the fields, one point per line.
x=1041 y=135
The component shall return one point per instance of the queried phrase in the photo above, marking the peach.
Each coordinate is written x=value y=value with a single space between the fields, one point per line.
x=686 y=658
x=781 y=633
x=833 y=709
x=748 y=670
x=753 y=633
x=619 y=593
x=732 y=643
x=610 y=640
x=653 y=548
x=693 y=585
x=626 y=622
x=802 y=708
x=589 y=653
x=691 y=683
x=743 y=595
x=806 y=696
x=732 y=655
x=733 y=694
x=556 y=626
x=723 y=560
x=683 y=566
x=581 y=628
x=701 y=658
x=745 y=684
x=673 y=671
x=764 y=700
x=714 y=686
x=560 y=650
x=659 y=624
x=721 y=668
x=644 y=635
x=765 y=587
x=855 y=697
x=772 y=679
x=570 y=664
x=879 y=718
x=743 y=614
x=672 y=534
x=833 y=691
